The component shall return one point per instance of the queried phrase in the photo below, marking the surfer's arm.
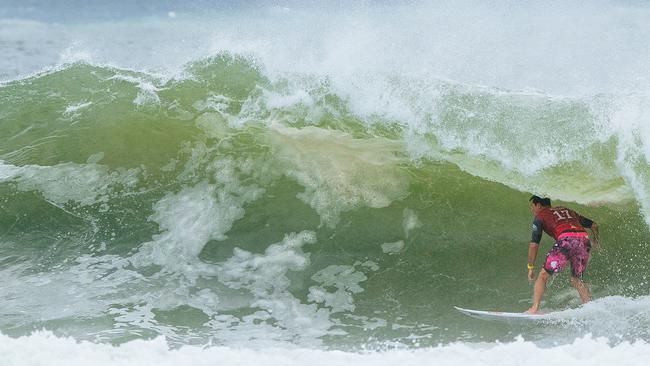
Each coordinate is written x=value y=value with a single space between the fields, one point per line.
x=533 y=247
x=532 y=252
x=532 y=256
x=595 y=235
x=536 y=237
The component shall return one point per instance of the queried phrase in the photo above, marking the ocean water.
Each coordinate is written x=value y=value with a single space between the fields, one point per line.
x=317 y=182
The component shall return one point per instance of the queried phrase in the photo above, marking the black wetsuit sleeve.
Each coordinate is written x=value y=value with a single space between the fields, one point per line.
x=537 y=231
x=585 y=222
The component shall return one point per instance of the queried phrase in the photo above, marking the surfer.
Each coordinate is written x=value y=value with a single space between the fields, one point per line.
x=572 y=246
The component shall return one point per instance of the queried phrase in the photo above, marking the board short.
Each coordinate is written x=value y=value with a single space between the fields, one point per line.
x=574 y=249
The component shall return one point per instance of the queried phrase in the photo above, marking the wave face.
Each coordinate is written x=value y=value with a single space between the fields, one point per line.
x=347 y=198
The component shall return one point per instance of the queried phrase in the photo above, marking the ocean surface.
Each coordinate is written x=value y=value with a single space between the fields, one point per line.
x=317 y=183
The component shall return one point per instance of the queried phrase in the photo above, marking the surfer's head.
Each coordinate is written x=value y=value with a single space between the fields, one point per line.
x=537 y=203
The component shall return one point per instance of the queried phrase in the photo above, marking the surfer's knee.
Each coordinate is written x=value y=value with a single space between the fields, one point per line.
x=582 y=288
x=577 y=281
x=544 y=275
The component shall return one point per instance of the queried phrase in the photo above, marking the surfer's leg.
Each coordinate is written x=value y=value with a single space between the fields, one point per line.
x=582 y=288
x=579 y=256
x=556 y=260
x=579 y=260
x=538 y=293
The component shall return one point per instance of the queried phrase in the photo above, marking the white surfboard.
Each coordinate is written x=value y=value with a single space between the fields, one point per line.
x=506 y=316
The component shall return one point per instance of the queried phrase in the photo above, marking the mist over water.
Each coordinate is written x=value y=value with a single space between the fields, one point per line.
x=317 y=176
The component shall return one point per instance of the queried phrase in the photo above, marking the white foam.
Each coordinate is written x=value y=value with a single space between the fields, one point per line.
x=629 y=124
x=265 y=276
x=147 y=91
x=8 y=171
x=44 y=348
x=393 y=248
x=72 y=109
x=218 y=103
x=192 y=217
x=84 y=184
x=188 y=220
x=612 y=316
x=410 y=222
x=257 y=284
x=345 y=279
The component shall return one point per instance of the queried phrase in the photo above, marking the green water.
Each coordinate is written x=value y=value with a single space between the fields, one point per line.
x=202 y=208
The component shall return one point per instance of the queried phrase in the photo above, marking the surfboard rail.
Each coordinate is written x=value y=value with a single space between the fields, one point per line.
x=503 y=315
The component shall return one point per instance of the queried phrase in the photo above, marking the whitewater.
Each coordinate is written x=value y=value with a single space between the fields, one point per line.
x=317 y=182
